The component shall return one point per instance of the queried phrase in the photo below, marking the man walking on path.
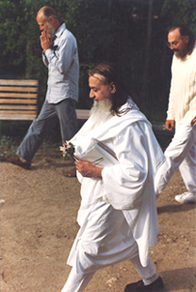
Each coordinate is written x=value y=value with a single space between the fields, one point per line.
x=118 y=214
x=181 y=152
x=60 y=55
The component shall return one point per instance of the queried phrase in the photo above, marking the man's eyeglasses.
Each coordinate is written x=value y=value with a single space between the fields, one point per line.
x=175 y=43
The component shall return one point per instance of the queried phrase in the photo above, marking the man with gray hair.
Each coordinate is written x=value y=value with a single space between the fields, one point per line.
x=60 y=55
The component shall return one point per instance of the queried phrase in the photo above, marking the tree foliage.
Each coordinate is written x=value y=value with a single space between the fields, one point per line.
x=129 y=32
x=180 y=11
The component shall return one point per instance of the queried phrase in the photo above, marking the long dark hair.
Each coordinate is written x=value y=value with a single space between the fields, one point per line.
x=111 y=73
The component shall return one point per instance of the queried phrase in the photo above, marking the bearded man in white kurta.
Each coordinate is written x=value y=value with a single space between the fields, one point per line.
x=181 y=110
x=117 y=216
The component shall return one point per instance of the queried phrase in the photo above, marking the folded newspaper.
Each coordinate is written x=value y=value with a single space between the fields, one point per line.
x=100 y=154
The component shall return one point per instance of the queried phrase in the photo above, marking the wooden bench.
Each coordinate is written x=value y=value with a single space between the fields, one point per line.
x=18 y=99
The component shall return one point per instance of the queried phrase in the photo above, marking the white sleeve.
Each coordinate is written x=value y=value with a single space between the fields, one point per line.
x=124 y=183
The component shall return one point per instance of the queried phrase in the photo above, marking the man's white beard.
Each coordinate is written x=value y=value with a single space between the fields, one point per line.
x=100 y=112
x=50 y=30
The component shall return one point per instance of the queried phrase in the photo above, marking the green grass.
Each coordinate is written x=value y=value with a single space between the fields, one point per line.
x=48 y=150
x=7 y=147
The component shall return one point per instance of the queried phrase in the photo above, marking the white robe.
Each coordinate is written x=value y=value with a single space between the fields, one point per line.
x=127 y=186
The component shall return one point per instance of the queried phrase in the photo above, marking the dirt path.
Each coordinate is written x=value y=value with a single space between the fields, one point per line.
x=38 y=226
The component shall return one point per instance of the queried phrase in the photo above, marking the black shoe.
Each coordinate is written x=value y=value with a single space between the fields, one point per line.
x=156 y=286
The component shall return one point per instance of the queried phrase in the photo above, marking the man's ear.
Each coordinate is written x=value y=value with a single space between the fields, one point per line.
x=50 y=19
x=112 y=87
x=186 y=39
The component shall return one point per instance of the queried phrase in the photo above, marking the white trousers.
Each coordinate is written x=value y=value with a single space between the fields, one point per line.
x=181 y=153
x=104 y=239
x=77 y=283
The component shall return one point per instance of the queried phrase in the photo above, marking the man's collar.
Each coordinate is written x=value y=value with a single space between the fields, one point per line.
x=60 y=30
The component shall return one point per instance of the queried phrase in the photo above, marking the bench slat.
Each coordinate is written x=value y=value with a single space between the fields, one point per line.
x=19 y=82
x=17 y=107
x=18 y=95
x=82 y=114
x=18 y=116
x=16 y=112
x=18 y=89
x=18 y=101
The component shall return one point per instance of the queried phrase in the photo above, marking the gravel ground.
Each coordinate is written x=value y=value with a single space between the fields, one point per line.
x=38 y=209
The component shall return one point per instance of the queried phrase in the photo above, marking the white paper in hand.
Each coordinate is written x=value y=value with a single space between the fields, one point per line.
x=100 y=154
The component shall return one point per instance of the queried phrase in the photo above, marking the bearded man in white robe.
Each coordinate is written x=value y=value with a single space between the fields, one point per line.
x=118 y=216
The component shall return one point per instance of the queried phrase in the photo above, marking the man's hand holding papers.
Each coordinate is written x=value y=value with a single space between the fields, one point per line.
x=100 y=154
x=87 y=169
x=95 y=159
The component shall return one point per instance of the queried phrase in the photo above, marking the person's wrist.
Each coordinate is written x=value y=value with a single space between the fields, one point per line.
x=44 y=50
x=98 y=172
